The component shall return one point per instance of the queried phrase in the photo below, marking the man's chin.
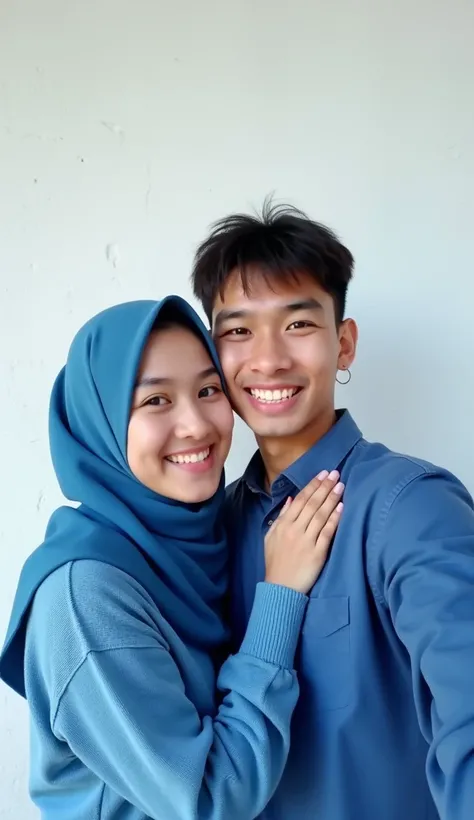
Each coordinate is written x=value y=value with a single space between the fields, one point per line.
x=271 y=428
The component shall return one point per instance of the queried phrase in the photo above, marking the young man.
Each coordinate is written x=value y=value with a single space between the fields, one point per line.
x=384 y=729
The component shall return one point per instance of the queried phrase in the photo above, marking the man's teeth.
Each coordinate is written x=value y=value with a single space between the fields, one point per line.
x=273 y=395
x=192 y=458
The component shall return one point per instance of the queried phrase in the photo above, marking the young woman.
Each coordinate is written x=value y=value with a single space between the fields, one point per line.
x=117 y=629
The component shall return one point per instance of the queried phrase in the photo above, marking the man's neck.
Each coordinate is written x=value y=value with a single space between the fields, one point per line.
x=278 y=453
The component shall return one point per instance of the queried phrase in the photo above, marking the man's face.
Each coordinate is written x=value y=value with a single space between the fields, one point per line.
x=280 y=350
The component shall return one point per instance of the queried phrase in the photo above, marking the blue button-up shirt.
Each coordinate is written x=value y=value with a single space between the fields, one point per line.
x=384 y=728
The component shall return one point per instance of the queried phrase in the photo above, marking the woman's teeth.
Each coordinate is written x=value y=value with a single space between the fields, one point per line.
x=273 y=395
x=191 y=458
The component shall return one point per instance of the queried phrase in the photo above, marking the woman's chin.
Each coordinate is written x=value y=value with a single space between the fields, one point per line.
x=202 y=491
x=190 y=489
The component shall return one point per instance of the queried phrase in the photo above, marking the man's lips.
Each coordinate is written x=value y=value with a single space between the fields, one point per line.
x=273 y=400
x=275 y=393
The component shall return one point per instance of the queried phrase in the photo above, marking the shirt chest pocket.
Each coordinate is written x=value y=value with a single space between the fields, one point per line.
x=325 y=657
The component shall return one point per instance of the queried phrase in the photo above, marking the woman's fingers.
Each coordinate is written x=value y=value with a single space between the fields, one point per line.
x=302 y=498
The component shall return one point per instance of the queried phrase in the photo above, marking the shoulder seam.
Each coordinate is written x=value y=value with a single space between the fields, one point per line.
x=83 y=660
x=420 y=471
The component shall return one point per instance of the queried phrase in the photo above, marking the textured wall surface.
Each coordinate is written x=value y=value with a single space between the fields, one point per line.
x=126 y=128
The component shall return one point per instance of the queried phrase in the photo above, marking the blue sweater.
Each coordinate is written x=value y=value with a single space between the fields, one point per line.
x=124 y=720
x=117 y=621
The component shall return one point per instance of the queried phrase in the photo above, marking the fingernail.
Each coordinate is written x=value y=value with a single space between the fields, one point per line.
x=334 y=475
x=339 y=488
x=322 y=475
x=340 y=507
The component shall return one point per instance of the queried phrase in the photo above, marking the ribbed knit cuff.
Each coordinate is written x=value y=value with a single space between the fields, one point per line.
x=275 y=623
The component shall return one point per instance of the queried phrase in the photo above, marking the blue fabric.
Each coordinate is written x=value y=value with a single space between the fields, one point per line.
x=181 y=555
x=124 y=718
x=116 y=627
x=384 y=727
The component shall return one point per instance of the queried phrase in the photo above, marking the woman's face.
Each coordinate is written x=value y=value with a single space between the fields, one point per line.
x=180 y=427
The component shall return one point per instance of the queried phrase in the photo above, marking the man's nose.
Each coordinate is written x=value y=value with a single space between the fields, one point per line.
x=269 y=354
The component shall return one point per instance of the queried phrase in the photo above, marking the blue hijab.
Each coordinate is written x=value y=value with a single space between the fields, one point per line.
x=176 y=551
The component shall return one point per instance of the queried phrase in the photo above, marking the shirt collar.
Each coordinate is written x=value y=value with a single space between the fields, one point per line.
x=254 y=473
x=327 y=454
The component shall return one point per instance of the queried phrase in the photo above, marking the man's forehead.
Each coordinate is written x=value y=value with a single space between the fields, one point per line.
x=257 y=291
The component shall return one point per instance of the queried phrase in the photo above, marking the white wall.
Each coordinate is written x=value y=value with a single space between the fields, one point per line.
x=127 y=127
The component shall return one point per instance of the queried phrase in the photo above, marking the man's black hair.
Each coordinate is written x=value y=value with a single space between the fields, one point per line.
x=279 y=243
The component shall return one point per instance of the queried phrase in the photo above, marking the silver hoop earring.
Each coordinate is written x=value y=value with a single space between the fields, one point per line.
x=349 y=377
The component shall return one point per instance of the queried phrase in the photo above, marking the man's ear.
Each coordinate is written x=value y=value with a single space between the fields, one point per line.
x=348 y=335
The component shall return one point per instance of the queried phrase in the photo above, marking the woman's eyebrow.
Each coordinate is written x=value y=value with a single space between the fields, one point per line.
x=155 y=381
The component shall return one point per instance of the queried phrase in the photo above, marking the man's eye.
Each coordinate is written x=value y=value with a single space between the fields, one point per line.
x=301 y=323
x=237 y=331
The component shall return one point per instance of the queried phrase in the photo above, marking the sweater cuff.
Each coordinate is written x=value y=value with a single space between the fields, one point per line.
x=275 y=623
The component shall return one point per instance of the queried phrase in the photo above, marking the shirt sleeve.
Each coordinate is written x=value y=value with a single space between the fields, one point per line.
x=425 y=573
x=125 y=713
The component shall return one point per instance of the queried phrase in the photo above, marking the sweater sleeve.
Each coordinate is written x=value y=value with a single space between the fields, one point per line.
x=119 y=700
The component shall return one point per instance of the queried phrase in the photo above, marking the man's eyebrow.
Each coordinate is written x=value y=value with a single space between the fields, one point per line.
x=227 y=315
x=156 y=381
x=303 y=304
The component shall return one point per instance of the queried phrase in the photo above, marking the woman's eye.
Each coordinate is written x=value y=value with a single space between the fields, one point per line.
x=209 y=391
x=157 y=401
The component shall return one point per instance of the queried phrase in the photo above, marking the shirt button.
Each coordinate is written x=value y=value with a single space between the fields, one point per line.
x=270 y=522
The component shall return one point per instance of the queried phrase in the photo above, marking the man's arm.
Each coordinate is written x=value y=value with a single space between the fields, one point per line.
x=424 y=571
